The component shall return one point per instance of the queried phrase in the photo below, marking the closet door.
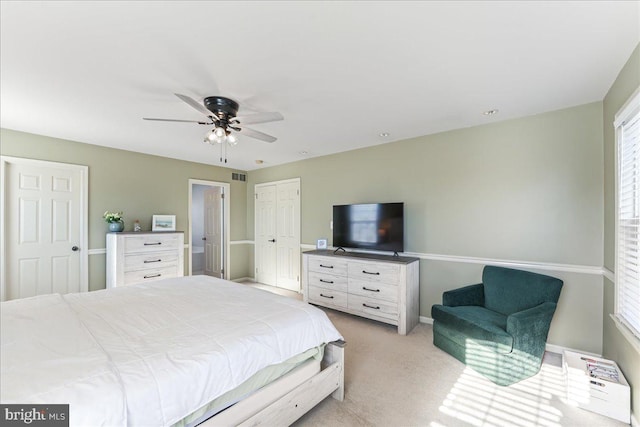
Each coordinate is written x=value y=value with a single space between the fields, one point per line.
x=277 y=241
x=265 y=240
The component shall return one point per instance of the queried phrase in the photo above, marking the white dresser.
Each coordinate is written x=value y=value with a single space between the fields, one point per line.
x=379 y=287
x=134 y=257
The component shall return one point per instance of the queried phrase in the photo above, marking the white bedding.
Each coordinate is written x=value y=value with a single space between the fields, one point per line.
x=148 y=354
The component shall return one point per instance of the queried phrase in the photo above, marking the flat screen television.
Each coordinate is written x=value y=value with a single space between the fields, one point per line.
x=374 y=226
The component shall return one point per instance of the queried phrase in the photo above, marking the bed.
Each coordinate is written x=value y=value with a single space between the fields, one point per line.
x=171 y=352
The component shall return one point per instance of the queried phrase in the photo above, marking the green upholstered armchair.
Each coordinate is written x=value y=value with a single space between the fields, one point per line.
x=498 y=327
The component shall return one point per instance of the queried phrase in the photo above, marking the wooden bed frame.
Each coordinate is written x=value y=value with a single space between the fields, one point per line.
x=270 y=407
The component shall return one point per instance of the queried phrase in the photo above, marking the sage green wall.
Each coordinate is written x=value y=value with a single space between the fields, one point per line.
x=616 y=346
x=138 y=184
x=529 y=189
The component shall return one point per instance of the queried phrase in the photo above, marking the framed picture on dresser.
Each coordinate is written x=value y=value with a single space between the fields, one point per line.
x=163 y=223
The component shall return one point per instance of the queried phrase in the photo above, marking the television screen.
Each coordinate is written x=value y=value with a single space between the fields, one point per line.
x=375 y=226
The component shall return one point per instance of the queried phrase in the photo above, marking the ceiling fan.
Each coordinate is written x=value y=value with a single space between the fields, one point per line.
x=222 y=113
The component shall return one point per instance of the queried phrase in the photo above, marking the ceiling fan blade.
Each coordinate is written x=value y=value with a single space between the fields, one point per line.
x=259 y=118
x=257 y=135
x=194 y=104
x=176 y=120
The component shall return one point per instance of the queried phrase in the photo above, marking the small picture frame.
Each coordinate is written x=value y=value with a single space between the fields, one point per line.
x=321 y=244
x=163 y=223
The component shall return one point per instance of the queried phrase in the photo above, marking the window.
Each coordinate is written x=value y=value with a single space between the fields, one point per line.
x=627 y=125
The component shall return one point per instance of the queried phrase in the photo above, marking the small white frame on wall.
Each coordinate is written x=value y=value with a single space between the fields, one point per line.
x=163 y=223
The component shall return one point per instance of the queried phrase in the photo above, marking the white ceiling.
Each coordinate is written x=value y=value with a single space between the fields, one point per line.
x=341 y=73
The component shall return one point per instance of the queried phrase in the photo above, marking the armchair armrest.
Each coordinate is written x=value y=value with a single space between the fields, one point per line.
x=529 y=328
x=468 y=295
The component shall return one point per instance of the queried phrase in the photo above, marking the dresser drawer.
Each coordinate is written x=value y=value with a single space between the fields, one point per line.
x=373 y=306
x=328 y=265
x=151 y=243
x=378 y=272
x=328 y=281
x=150 y=261
x=327 y=297
x=150 y=275
x=379 y=291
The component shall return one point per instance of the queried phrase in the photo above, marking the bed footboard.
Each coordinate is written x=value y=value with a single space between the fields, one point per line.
x=294 y=403
x=300 y=400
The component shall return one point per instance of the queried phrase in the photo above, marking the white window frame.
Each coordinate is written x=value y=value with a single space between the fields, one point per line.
x=629 y=322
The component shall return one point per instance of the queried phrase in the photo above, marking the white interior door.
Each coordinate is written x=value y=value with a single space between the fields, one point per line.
x=44 y=210
x=277 y=219
x=265 y=240
x=288 y=236
x=213 y=244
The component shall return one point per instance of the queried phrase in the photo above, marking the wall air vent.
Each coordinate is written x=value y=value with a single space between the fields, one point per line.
x=238 y=176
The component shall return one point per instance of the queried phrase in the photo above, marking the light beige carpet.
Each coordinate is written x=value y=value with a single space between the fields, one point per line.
x=394 y=380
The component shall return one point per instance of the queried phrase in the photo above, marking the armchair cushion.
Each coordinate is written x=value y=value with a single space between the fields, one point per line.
x=475 y=323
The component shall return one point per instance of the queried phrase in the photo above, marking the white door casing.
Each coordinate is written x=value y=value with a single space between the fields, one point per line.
x=213 y=245
x=226 y=214
x=277 y=241
x=265 y=241
x=44 y=218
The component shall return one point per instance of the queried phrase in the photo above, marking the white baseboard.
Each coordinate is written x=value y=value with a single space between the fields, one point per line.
x=549 y=347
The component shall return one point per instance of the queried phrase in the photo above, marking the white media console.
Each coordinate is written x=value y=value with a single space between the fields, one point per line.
x=379 y=287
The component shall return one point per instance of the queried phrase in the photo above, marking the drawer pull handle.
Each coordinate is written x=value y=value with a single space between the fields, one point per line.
x=370 y=306
x=326 y=266
x=327 y=296
x=372 y=290
x=326 y=281
x=152 y=275
x=368 y=272
x=147 y=261
x=153 y=244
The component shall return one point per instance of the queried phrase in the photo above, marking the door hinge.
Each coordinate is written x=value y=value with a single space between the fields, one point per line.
x=297 y=278
x=222 y=271
x=256 y=196
x=256 y=269
x=222 y=195
x=298 y=192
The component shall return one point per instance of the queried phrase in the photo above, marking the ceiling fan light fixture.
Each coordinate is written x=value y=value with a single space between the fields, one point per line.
x=220 y=132
x=210 y=137
x=232 y=140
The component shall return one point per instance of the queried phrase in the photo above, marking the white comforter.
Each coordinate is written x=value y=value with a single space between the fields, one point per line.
x=148 y=354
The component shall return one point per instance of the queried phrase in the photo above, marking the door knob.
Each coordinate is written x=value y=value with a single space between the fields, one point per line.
x=272 y=240
x=204 y=238
x=75 y=249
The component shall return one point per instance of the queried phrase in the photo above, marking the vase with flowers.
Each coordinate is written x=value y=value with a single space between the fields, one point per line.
x=115 y=220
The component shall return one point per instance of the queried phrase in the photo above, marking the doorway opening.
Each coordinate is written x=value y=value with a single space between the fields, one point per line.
x=209 y=228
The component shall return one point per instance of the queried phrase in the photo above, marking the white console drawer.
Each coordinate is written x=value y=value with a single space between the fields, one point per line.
x=380 y=287
x=329 y=281
x=151 y=243
x=379 y=291
x=327 y=297
x=328 y=265
x=150 y=275
x=375 y=272
x=150 y=260
x=143 y=256
x=373 y=306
